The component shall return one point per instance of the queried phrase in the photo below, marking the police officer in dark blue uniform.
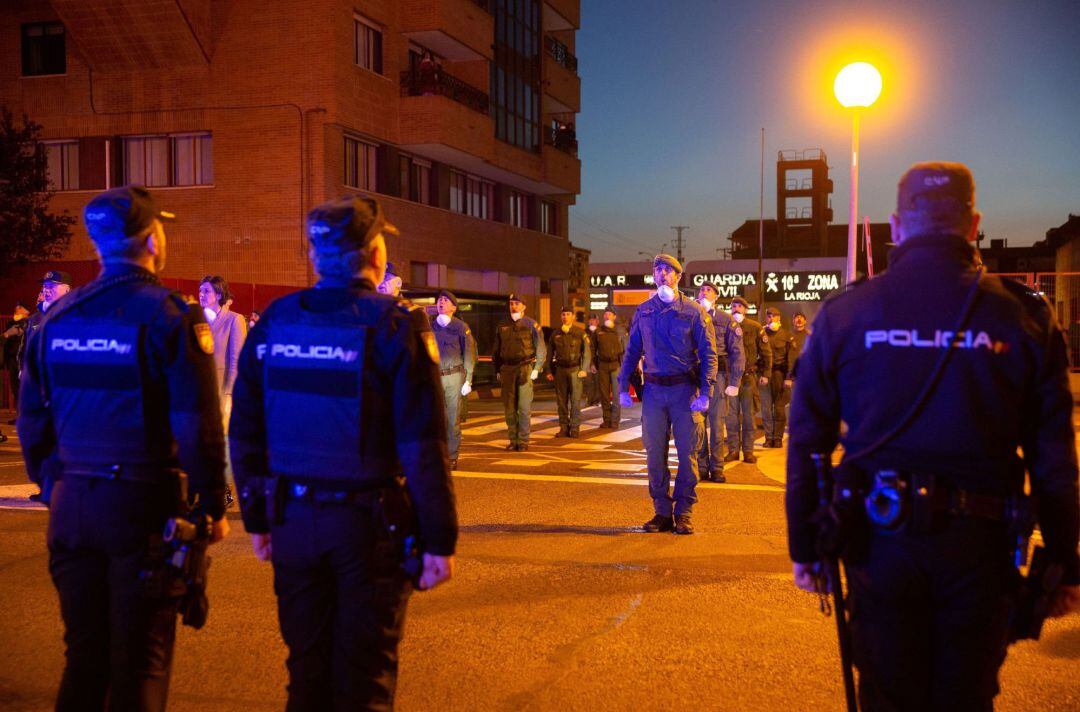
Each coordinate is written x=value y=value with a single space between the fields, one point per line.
x=338 y=442
x=730 y=364
x=517 y=356
x=674 y=334
x=940 y=374
x=119 y=393
x=457 y=361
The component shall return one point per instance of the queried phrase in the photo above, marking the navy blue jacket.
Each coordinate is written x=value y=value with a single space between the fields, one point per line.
x=457 y=347
x=731 y=357
x=675 y=338
x=1005 y=386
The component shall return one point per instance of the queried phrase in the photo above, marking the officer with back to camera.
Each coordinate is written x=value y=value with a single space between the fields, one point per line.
x=940 y=373
x=518 y=353
x=673 y=334
x=730 y=364
x=338 y=442
x=609 y=345
x=568 y=357
x=119 y=393
x=457 y=361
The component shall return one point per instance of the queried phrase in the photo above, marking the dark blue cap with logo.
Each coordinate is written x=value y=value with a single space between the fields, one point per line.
x=347 y=224
x=937 y=180
x=121 y=213
x=57 y=277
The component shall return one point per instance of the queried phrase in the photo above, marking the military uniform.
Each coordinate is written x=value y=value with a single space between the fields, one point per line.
x=338 y=441
x=118 y=394
x=730 y=365
x=774 y=395
x=568 y=353
x=519 y=347
x=680 y=362
x=930 y=599
x=741 y=431
x=609 y=345
x=457 y=361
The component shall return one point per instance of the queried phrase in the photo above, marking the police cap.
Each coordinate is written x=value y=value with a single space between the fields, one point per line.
x=739 y=300
x=709 y=285
x=515 y=298
x=772 y=311
x=937 y=181
x=566 y=309
x=347 y=224
x=57 y=277
x=121 y=213
x=663 y=259
x=445 y=293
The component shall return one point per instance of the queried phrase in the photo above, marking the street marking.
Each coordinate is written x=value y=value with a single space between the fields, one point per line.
x=16 y=497
x=619 y=436
x=636 y=482
x=613 y=466
x=11 y=464
x=522 y=463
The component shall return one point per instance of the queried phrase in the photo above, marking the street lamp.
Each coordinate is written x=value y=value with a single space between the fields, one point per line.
x=857 y=86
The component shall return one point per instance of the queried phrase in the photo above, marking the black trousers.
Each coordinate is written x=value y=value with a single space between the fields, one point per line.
x=119 y=635
x=929 y=617
x=341 y=606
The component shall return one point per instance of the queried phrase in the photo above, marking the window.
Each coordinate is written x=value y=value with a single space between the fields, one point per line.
x=515 y=73
x=360 y=164
x=519 y=203
x=415 y=180
x=368 y=43
x=43 y=49
x=62 y=159
x=471 y=195
x=548 y=215
x=169 y=160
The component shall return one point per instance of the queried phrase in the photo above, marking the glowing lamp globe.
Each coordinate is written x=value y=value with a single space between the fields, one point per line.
x=857 y=85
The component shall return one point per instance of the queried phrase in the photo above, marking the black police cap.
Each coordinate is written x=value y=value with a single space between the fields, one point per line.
x=121 y=213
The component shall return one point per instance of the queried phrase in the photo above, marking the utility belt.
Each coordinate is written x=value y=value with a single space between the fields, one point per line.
x=280 y=489
x=677 y=379
x=460 y=368
x=507 y=362
x=151 y=474
x=568 y=364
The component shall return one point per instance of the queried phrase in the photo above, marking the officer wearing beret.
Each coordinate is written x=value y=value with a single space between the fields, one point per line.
x=457 y=361
x=609 y=345
x=118 y=395
x=568 y=359
x=338 y=442
x=777 y=391
x=674 y=335
x=942 y=376
x=519 y=348
x=730 y=364
x=741 y=431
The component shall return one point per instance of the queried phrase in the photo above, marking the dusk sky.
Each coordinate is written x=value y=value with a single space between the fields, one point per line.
x=675 y=92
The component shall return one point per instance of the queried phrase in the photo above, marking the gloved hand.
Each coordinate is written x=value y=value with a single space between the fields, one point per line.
x=533 y=375
x=731 y=391
x=700 y=404
x=581 y=374
x=466 y=388
x=625 y=400
x=787 y=383
x=764 y=380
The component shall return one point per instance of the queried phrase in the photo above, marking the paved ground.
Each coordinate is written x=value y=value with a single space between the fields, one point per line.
x=558 y=603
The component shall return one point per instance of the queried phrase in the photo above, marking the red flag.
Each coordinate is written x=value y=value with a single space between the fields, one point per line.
x=869 y=247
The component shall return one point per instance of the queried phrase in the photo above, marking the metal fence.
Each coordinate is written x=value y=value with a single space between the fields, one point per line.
x=1062 y=289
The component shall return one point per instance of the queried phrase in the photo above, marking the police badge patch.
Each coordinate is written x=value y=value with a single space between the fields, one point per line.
x=204 y=337
x=431 y=346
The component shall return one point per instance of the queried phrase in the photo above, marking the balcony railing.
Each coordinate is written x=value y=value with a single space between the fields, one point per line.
x=424 y=82
x=560 y=53
x=562 y=139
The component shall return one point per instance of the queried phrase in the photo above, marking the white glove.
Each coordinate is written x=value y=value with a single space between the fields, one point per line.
x=533 y=375
x=731 y=391
x=466 y=388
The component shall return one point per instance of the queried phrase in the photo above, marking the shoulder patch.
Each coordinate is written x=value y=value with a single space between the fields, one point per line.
x=430 y=345
x=764 y=338
x=738 y=330
x=203 y=336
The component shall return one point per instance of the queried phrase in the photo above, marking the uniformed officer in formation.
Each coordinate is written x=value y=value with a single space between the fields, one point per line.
x=568 y=359
x=741 y=431
x=591 y=386
x=457 y=361
x=338 y=441
x=777 y=391
x=518 y=354
x=939 y=374
x=609 y=345
x=674 y=335
x=119 y=393
x=730 y=364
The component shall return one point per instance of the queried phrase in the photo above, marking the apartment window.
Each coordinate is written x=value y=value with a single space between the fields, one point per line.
x=471 y=195
x=62 y=159
x=360 y=163
x=515 y=73
x=415 y=180
x=169 y=160
x=548 y=215
x=519 y=205
x=43 y=49
x=368 y=44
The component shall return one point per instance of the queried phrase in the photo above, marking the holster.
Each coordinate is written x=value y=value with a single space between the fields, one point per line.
x=843 y=529
x=400 y=548
x=274 y=494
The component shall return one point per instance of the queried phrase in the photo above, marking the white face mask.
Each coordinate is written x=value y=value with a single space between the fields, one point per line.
x=666 y=294
x=609 y=323
x=565 y=328
x=738 y=316
x=706 y=303
x=443 y=319
x=773 y=326
x=210 y=314
x=592 y=327
x=516 y=315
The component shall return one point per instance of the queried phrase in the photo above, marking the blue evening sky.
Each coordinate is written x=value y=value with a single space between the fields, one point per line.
x=675 y=92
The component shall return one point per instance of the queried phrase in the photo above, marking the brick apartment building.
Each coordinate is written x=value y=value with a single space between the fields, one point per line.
x=244 y=114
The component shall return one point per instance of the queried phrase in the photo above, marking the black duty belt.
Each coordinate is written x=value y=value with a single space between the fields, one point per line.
x=324 y=494
x=610 y=360
x=673 y=380
x=154 y=474
x=451 y=371
x=576 y=364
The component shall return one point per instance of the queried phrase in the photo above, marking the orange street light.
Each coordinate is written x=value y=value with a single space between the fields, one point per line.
x=857 y=86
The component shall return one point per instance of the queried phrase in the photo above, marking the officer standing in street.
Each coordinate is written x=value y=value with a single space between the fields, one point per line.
x=118 y=395
x=609 y=345
x=591 y=386
x=674 y=335
x=519 y=351
x=776 y=393
x=939 y=374
x=457 y=361
x=568 y=358
x=741 y=431
x=338 y=442
x=730 y=365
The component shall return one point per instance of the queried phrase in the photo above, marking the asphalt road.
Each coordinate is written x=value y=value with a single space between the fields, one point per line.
x=559 y=602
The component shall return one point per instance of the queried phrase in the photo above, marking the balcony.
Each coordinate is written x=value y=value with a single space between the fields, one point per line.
x=562 y=14
x=563 y=139
x=562 y=86
x=438 y=82
x=560 y=53
x=457 y=30
x=562 y=169
x=443 y=118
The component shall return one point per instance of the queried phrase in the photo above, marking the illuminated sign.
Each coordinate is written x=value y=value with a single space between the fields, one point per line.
x=621 y=281
x=800 y=286
x=729 y=284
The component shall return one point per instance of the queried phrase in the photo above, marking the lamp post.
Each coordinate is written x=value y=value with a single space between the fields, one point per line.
x=857 y=86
